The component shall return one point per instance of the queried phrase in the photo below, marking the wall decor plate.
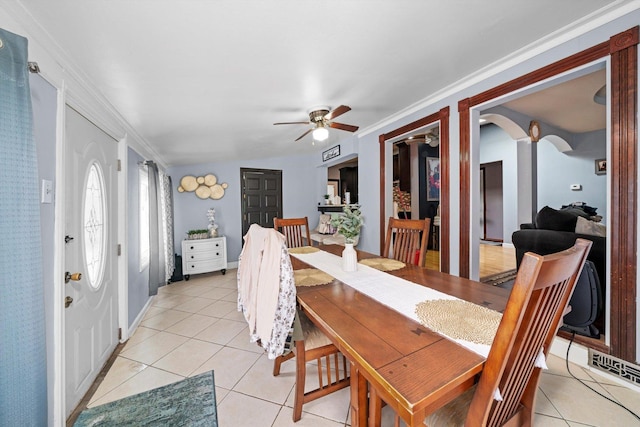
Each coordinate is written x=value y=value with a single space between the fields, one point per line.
x=203 y=192
x=189 y=183
x=210 y=180
x=205 y=186
x=217 y=192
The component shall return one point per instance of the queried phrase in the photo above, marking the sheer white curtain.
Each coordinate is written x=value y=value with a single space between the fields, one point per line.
x=157 y=258
x=166 y=203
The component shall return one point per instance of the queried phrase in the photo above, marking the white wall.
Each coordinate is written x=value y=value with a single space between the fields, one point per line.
x=43 y=98
x=300 y=196
x=496 y=145
x=138 y=289
x=557 y=171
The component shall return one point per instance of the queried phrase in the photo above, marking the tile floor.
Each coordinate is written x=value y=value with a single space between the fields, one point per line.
x=193 y=327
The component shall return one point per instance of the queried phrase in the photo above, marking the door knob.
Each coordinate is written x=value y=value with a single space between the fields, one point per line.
x=67 y=302
x=69 y=276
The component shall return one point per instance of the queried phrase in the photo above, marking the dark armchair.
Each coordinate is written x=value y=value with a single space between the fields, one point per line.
x=554 y=231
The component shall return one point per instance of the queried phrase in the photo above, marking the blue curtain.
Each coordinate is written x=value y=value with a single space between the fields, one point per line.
x=23 y=380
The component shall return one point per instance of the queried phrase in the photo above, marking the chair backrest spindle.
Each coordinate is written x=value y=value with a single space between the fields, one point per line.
x=541 y=292
x=405 y=237
x=295 y=230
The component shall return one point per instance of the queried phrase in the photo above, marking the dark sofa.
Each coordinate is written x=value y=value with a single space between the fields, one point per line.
x=544 y=242
x=551 y=233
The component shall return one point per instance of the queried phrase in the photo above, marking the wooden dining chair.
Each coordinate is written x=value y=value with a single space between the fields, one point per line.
x=308 y=342
x=295 y=231
x=529 y=324
x=311 y=344
x=405 y=237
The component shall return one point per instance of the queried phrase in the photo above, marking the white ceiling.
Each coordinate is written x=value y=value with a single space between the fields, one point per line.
x=204 y=81
x=569 y=105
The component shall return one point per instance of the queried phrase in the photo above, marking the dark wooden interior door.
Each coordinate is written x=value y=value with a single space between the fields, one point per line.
x=349 y=182
x=261 y=195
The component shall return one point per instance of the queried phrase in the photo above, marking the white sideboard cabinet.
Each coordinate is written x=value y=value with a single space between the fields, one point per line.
x=204 y=256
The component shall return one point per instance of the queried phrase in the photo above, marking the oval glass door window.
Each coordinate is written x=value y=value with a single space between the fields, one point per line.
x=94 y=227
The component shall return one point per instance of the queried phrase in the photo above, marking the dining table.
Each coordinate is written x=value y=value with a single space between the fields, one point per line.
x=393 y=357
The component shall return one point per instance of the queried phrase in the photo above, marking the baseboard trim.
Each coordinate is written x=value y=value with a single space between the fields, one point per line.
x=582 y=356
x=140 y=316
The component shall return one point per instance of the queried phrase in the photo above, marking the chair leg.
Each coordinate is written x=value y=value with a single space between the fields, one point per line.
x=301 y=372
x=280 y=360
x=375 y=408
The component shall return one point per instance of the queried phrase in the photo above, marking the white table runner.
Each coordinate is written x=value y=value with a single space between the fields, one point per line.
x=399 y=294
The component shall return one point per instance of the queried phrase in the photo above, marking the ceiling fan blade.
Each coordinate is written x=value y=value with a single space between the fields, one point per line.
x=342 y=126
x=303 y=135
x=337 y=112
x=293 y=123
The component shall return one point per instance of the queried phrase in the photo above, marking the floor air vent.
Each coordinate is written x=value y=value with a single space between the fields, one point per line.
x=614 y=366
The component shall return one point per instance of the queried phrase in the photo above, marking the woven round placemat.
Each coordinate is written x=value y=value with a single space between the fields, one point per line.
x=311 y=277
x=460 y=319
x=383 y=264
x=303 y=250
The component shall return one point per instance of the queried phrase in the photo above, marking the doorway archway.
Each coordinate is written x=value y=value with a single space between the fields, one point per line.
x=621 y=50
x=443 y=117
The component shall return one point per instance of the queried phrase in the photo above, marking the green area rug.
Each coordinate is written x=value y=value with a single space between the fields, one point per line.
x=190 y=402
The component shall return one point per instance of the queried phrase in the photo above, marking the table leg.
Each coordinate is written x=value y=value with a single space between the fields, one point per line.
x=359 y=401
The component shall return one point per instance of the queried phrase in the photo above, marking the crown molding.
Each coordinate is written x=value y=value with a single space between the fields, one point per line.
x=59 y=69
x=568 y=33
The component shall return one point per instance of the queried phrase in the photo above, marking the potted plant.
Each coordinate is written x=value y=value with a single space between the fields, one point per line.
x=348 y=224
x=197 y=234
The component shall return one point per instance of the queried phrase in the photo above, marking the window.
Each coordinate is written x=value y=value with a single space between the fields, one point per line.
x=94 y=226
x=143 y=179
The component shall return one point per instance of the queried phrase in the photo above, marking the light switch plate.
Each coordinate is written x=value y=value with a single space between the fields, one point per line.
x=47 y=191
x=576 y=187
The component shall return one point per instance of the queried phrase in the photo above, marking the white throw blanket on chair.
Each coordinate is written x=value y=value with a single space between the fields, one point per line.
x=266 y=288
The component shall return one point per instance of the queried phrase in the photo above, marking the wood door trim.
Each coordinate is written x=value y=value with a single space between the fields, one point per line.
x=624 y=187
x=622 y=49
x=465 y=186
x=443 y=117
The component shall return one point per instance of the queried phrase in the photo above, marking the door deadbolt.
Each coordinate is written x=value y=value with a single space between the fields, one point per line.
x=67 y=302
x=75 y=277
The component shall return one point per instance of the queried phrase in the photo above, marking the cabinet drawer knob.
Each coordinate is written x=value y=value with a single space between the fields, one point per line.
x=192 y=247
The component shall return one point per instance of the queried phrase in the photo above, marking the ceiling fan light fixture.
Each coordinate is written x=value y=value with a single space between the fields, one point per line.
x=320 y=133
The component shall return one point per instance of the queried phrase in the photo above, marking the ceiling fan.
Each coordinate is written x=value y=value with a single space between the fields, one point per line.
x=321 y=119
x=432 y=137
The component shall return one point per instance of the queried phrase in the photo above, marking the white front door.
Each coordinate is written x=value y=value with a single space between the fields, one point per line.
x=91 y=319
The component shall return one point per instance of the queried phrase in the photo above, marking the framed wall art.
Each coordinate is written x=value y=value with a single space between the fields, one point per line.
x=601 y=166
x=433 y=178
x=331 y=153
